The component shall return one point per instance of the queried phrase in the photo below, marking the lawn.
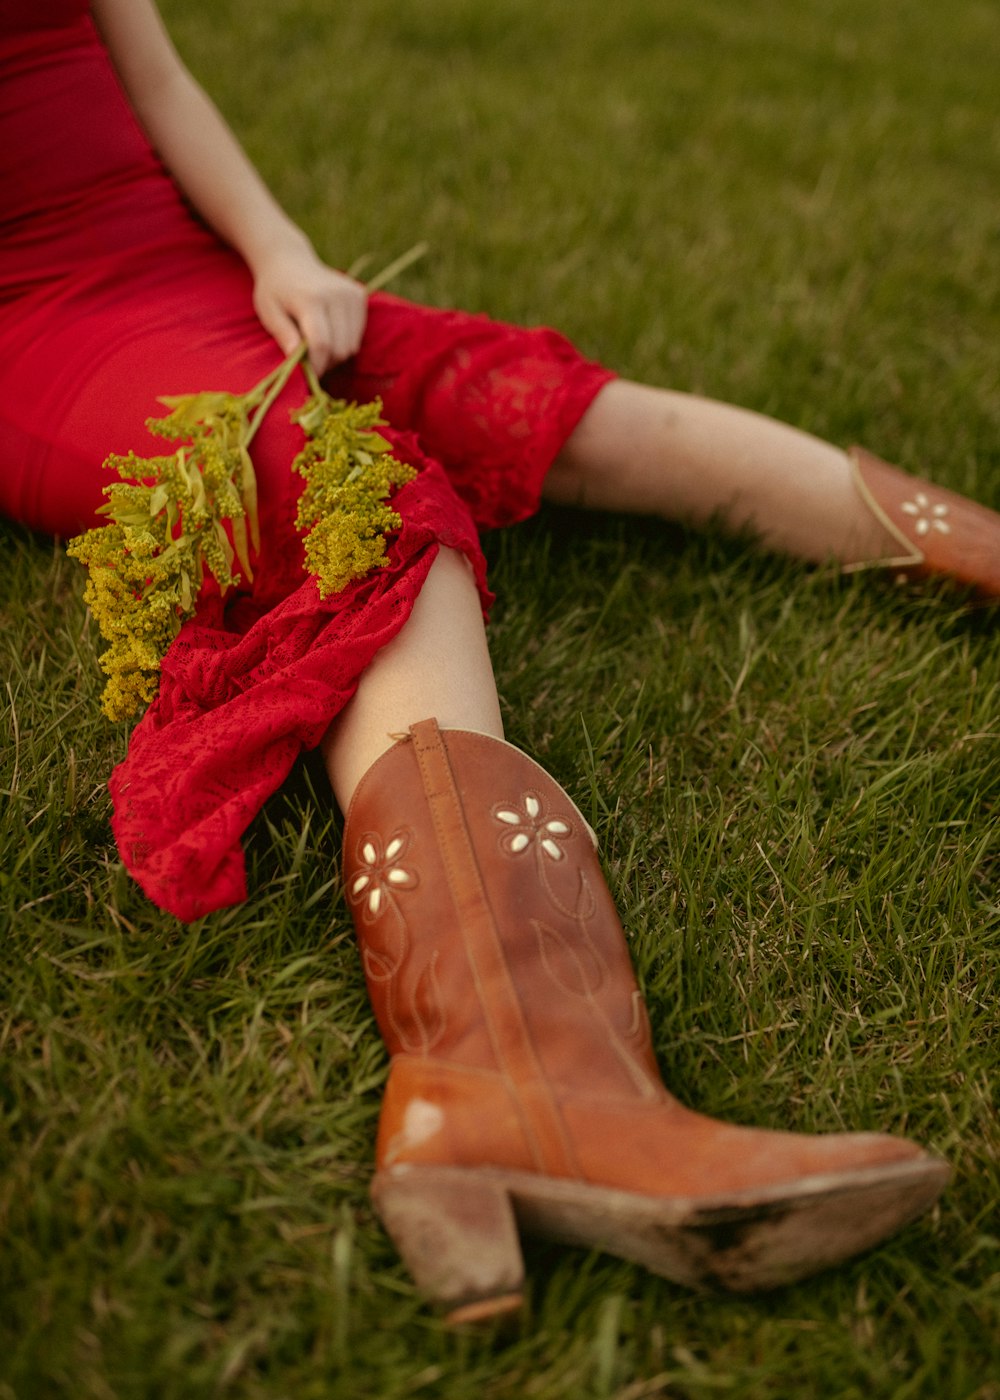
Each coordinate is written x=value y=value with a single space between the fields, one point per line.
x=794 y=777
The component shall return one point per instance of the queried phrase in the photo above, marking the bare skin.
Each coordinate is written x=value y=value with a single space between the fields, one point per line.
x=439 y=665
x=658 y=452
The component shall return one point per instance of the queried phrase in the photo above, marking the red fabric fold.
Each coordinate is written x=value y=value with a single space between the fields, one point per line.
x=237 y=707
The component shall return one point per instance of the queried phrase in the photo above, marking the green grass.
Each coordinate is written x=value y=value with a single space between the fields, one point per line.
x=795 y=779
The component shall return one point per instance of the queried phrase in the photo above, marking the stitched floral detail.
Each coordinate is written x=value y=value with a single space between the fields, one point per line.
x=571 y=962
x=927 y=516
x=380 y=874
x=412 y=1010
x=527 y=827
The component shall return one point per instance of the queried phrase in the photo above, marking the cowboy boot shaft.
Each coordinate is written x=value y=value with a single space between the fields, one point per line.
x=488 y=935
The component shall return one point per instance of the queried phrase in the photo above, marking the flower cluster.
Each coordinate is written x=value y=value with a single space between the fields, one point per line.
x=168 y=518
x=146 y=565
x=136 y=598
x=167 y=529
x=349 y=473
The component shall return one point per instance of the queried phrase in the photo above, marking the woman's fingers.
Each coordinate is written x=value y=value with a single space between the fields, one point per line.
x=302 y=299
x=333 y=325
x=278 y=323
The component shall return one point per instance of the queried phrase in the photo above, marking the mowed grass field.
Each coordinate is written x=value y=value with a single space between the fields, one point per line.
x=794 y=777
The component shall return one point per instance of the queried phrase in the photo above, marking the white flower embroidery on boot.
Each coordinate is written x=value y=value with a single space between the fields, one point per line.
x=527 y=827
x=927 y=517
x=380 y=874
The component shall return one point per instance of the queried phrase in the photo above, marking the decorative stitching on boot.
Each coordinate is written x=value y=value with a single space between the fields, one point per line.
x=575 y=966
x=380 y=877
x=574 y=969
x=381 y=874
x=527 y=828
x=530 y=828
x=927 y=514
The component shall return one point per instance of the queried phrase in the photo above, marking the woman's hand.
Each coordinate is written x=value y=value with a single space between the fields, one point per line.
x=298 y=297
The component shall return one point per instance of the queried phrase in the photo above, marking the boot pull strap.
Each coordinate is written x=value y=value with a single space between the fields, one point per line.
x=508 y=1030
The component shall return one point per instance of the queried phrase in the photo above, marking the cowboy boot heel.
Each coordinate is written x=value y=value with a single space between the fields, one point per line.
x=456 y=1233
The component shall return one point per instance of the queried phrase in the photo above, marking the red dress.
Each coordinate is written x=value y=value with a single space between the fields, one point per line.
x=113 y=293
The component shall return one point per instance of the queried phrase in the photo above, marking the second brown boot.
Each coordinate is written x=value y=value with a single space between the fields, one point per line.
x=939 y=532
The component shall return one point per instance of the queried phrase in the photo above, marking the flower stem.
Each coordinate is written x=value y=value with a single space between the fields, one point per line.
x=312 y=379
x=281 y=378
x=399 y=265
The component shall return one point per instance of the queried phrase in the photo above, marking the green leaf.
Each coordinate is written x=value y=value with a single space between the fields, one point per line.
x=239 y=529
x=248 y=495
x=158 y=498
x=223 y=539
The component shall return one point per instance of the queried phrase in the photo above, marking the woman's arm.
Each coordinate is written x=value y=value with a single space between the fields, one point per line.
x=296 y=295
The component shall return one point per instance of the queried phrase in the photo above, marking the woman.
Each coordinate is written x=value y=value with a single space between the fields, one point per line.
x=496 y=964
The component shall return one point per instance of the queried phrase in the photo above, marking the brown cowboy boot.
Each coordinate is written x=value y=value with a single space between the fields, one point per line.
x=523 y=1092
x=939 y=532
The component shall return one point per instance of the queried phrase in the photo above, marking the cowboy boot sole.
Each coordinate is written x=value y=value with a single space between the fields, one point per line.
x=457 y=1229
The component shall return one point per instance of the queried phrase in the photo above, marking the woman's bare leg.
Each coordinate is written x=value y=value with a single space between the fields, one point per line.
x=438 y=665
x=659 y=452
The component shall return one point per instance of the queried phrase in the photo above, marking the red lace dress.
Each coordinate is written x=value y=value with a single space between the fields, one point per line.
x=112 y=293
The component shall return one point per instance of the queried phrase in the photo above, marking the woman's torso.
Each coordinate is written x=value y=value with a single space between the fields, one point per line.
x=79 y=182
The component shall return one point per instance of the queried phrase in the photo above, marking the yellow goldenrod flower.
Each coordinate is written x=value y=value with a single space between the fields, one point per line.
x=168 y=518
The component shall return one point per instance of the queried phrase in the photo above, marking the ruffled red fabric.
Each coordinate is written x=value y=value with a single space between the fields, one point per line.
x=235 y=708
